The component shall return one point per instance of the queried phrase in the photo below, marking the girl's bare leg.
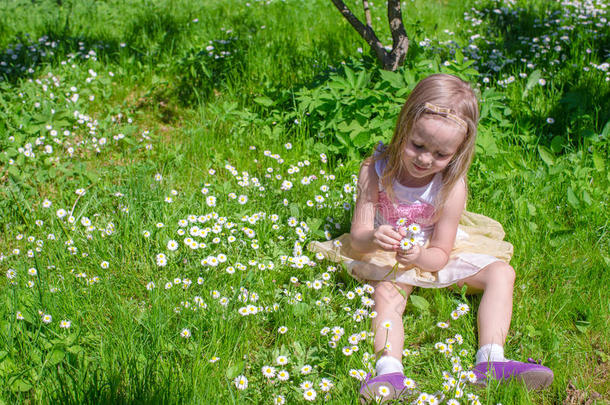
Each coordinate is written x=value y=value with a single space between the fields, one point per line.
x=495 y=311
x=497 y=281
x=390 y=304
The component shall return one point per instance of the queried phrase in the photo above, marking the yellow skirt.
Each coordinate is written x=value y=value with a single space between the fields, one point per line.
x=479 y=242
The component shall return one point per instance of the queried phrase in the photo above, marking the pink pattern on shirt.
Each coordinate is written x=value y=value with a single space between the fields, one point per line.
x=420 y=213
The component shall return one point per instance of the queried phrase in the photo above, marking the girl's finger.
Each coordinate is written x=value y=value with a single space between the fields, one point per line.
x=389 y=240
x=393 y=234
x=393 y=242
x=384 y=245
x=396 y=236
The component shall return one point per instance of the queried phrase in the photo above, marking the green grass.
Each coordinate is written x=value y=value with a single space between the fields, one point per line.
x=165 y=105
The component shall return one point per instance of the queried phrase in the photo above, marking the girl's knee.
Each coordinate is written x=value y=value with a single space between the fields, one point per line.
x=386 y=291
x=389 y=294
x=503 y=272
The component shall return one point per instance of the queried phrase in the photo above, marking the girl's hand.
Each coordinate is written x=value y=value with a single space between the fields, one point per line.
x=387 y=238
x=409 y=257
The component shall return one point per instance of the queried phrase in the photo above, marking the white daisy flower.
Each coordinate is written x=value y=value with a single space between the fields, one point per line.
x=241 y=382
x=309 y=395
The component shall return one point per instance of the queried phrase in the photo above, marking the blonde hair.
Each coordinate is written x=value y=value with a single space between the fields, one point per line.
x=443 y=95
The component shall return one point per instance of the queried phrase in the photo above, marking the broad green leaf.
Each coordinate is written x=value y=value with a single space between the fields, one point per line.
x=497 y=114
x=314 y=223
x=362 y=79
x=558 y=228
x=299 y=350
x=7 y=367
x=41 y=176
x=91 y=176
x=603 y=356
x=76 y=349
x=337 y=84
x=484 y=111
x=532 y=209
x=300 y=309
x=350 y=77
x=420 y=302
x=409 y=77
x=572 y=199
x=264 y=101
x=558 y=143
x=320 y=147
x=14 y=172
x=546 y=155
x=531 y=82
x=20 y=385
x=459 y=56
x=55 y=356
x=62 y=123
x=599 y=162
x=521 y=206
x=354 y=128
x=486 y=144
x=294 y=210
x=582 y=326
x=532 y=331
x=394 y=79
x=342 y=139
x=361 y=139
x=606 y=130
x=234 y=370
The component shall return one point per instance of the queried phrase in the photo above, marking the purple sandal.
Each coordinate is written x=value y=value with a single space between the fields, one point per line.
x=532 y=373
x=382 y=388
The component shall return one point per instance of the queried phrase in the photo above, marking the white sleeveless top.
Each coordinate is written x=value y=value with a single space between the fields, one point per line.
x=415 y=204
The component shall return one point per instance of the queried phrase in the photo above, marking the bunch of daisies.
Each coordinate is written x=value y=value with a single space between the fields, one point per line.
x=413 y=237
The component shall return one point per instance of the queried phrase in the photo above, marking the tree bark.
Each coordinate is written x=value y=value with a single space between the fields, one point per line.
x=400 y=41
x=367 y=13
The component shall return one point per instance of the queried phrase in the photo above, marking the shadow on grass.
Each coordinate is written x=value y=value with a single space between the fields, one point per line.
x=129 y=384
x=152 y=36
x=552 y=39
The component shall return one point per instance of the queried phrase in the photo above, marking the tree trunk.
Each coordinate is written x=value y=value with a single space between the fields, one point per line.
x=400 y=41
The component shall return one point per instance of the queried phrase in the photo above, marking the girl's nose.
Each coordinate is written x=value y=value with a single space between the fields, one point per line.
x=425 y=158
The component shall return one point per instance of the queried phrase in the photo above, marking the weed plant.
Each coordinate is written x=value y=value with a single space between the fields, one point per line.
x=163 y=166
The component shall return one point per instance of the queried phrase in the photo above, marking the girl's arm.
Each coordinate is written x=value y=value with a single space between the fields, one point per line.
x=436 y=255
x=365 y=237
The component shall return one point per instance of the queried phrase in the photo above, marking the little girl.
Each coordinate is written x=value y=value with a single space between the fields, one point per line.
x=421 y=177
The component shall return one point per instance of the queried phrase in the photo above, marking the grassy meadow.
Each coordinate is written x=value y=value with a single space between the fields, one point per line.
x=164 y=164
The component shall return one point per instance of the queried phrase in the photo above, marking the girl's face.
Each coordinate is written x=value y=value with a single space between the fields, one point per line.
x=431 y=146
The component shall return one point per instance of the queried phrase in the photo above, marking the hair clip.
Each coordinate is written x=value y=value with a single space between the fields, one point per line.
x=446 y=112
